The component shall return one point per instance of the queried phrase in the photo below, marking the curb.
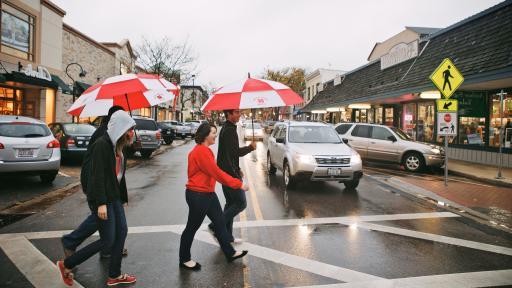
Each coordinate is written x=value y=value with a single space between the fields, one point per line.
x=495 y=182
x=419 y=194
x=53 y=196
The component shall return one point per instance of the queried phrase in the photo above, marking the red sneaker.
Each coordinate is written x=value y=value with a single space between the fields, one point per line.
x=67 y=277
x=123 y=279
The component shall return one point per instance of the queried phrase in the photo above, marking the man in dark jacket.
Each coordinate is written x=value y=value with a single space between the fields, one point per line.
x=228 y=160
x=89 y=226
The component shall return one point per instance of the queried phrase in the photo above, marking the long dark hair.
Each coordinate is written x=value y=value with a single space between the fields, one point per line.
x=203 y=131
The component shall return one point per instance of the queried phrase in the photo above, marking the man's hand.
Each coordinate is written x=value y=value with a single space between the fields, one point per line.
x=241 y=174
x=253 y=145
x=102 y=212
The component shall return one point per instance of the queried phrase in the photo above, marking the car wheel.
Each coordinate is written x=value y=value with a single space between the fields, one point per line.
x=48 y=178
x=168 y=141
x=146 y=153
x=352 y=184
x=183 y=136
x=288 y=179
x=271 y=169
x=413 y=162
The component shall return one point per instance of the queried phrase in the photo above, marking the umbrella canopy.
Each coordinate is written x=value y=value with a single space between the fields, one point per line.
x=252 y=93
x=131 y=91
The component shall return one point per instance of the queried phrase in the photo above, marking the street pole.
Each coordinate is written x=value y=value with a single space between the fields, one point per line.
x=502 y=135
x=81 y=75
x=446 y=161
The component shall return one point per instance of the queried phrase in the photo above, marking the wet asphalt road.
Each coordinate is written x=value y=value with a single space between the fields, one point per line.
x=285 y=252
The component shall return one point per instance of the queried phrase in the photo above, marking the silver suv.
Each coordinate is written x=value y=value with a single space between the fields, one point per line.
x=312 y=151
x=390 y=144
x=27 y=146
x=148 y=135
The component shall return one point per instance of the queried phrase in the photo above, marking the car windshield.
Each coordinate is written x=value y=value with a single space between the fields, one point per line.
x=24 y=130
x=143 y=124
x=313 y=134
x=84 y=129
x=401 y=134
x=165 y=124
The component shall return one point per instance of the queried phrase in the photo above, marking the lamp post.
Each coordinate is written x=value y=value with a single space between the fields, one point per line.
x=81 y=75
x=501 y=135
x=193 y=96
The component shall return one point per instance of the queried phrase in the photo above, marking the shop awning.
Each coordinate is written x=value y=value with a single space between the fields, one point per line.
x=81 y=87
x=62 y=85
x=22 y=78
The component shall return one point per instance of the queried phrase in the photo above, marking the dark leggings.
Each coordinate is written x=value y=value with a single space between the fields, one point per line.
x=201 y=205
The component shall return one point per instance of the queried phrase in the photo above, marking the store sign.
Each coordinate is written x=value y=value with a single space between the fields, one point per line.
x=447 y=78
x=41 y=72
x=398 y=54
x=446 y=123
x=444 y=105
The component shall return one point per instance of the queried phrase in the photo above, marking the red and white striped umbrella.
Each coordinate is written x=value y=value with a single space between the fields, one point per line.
x=131 y=91
x=252 y=93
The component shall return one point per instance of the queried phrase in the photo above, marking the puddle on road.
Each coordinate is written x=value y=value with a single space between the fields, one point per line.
x=498 y=214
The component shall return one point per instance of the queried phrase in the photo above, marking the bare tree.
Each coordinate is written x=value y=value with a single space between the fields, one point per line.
x=168 y=59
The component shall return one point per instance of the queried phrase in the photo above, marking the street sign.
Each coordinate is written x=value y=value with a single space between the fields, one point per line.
x=447 y=123
x=447 y=105
x=447 y=78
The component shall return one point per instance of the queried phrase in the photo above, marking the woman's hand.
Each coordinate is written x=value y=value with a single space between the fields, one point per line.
x=102 y=212
x=245 y=186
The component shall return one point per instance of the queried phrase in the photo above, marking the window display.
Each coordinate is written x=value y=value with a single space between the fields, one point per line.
x=471 y=131
x=495 y=125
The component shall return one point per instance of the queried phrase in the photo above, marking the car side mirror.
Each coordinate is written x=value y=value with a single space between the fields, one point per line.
x=280 y=140
x=392 y=138
x=345 y=140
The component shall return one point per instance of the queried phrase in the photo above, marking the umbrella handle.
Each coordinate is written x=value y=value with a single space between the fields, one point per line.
x=252 y=123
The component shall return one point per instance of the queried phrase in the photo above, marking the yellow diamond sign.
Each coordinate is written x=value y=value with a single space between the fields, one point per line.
x=447 y=78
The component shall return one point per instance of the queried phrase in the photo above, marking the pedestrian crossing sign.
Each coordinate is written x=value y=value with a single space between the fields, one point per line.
x=447 y=78
x=446 y=105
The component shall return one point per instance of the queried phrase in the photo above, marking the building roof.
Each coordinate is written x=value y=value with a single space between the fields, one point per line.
x=87 y=38
x=124 y=42
x=480 y=47
x=52 y=6
x=423 y=30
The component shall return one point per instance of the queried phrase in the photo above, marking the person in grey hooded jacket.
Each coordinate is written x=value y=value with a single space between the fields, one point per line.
x=106 y=194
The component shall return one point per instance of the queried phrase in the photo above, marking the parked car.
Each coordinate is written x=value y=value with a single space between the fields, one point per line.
x=193 y=127
x=199 y=122
x=73 y=137
x=27 y=145
x=168 y=132
x=256 y=134
x=181 y=130
x=148 y=135
x=390 y=144
x=312 y=151
x=269 y=126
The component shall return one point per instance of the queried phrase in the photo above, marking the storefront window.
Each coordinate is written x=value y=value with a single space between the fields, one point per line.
x=145 y=112
x=426 y=121
x=496 y=121
x=364 y=116
x=378 y=115
x=11 y=102
x=371 y=115
x=409 y=119
x=471 y=130
x=389 y=116
x=17 y=32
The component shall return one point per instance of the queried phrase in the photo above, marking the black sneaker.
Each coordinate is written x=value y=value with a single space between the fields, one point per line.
x=196 y=267
x=233 y=258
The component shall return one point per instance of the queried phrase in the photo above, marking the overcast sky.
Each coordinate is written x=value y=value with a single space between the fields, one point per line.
x=233 y=37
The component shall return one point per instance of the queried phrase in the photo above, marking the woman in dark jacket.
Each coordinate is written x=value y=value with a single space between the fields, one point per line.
x=202 y=200
x=106 y=194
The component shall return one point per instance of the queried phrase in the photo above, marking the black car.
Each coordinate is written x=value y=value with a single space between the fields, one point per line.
x=73 y=138
x=168 y=132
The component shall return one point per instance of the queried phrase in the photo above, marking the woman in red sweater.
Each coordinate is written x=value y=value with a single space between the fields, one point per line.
x=202 y=200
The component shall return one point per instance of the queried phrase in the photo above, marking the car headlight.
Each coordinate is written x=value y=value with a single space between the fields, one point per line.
x=435 y=150
x=307 y=159
x=355 y=159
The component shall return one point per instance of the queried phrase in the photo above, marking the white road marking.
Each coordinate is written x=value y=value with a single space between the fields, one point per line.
x=33 y=264
x=456 y=280
x=64 y=174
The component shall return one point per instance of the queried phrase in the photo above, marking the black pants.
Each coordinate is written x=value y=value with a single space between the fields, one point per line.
x=201 y=205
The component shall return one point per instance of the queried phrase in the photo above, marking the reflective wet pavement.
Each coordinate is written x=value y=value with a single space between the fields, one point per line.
x=317 y=234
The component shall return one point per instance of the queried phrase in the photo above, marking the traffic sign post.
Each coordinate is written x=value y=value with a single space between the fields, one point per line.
x=447 y=78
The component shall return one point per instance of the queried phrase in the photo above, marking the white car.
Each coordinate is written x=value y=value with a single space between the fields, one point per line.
x=253 y=131
x=312 y=151
x=28 y=146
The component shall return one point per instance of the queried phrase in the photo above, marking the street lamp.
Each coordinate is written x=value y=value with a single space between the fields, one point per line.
x=193 y=94
x=81 y=75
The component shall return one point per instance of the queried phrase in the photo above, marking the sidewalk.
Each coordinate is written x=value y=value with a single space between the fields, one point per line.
x=481 y=172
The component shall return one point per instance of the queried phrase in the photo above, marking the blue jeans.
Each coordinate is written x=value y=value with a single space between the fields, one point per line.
x=88 y=227
x=113 y=233
x=235 y=203
x=201 y=205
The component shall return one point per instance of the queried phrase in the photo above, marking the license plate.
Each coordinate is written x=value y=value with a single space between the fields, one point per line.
x=25 y=153
x=333 y=171
x=145 y=138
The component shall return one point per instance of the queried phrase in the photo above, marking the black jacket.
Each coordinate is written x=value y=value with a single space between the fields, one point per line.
x=86 y=167
x=230 y=151
x=102 y=184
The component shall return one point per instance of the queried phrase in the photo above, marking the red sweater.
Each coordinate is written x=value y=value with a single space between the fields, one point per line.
x=203 y=171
